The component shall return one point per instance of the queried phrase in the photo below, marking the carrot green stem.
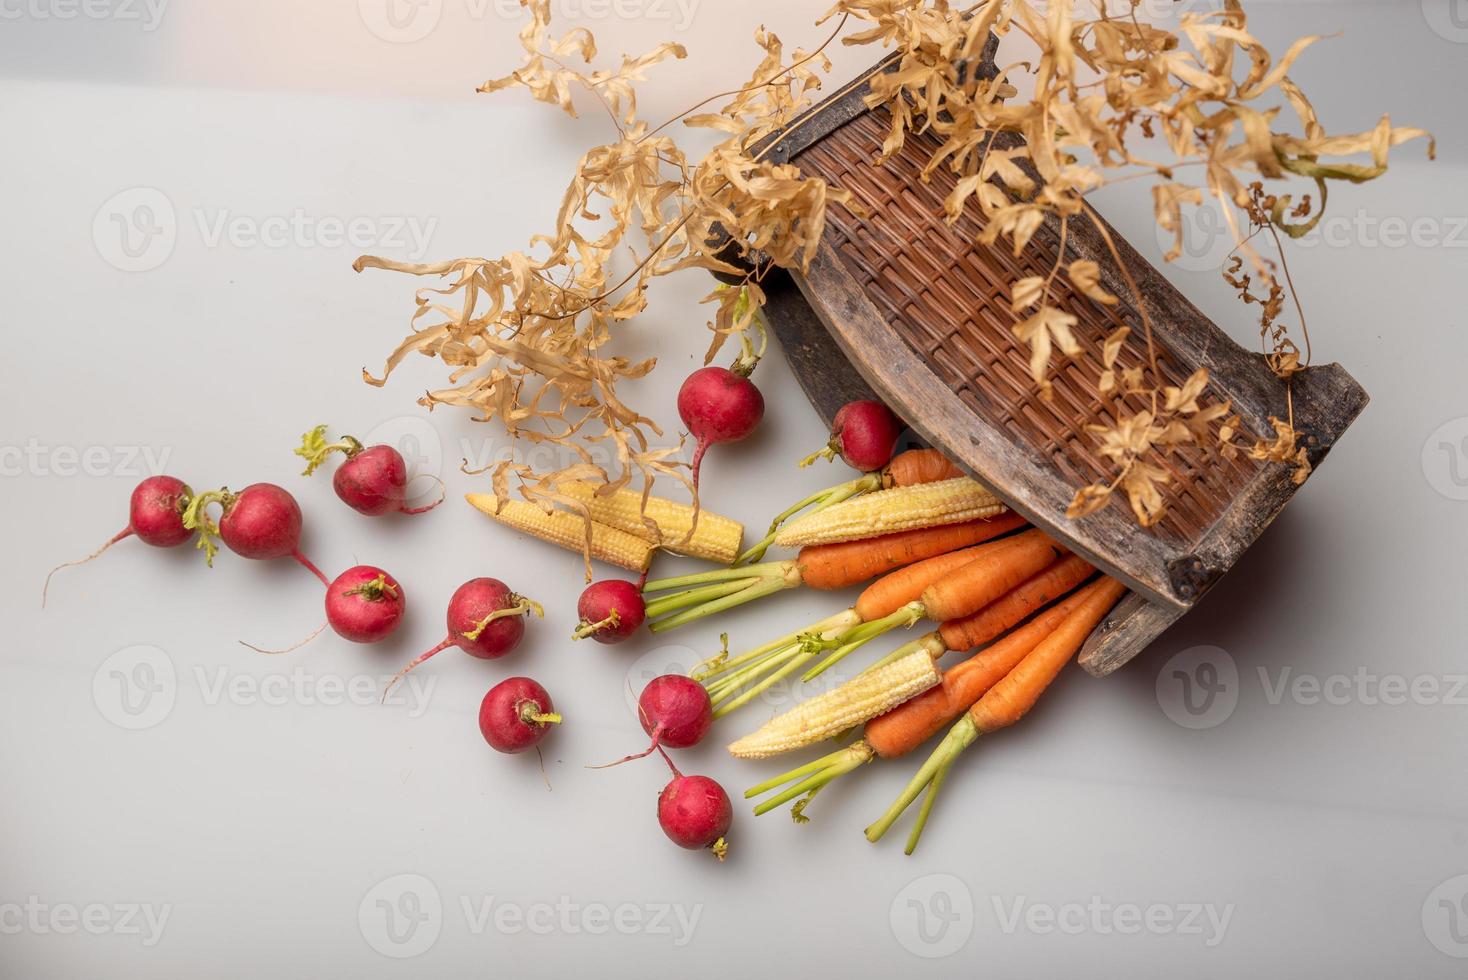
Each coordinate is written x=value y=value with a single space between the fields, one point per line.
x=722 y=664
x=813 y=777
x=808 y=647
x=769 y=569
x=663 y=605
x=865 y=633
x=927 y=808
x=959 y=737
x=816 y=501
x=757 y=590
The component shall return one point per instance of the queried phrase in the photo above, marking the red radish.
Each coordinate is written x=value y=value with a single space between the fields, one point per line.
x=675 y=710
x=262 y=521
x=364 y=604
x=485 y=620
x=372 y=481
x=610 y=611
x=865 y=433
x=515 y=715
x=695 y=813
x=154 y=516
x=719 y=405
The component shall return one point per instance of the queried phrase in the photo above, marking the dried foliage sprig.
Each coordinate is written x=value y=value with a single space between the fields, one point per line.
x=525 y=334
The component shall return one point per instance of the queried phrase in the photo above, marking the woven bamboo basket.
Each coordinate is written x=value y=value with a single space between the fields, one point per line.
x=902 y=305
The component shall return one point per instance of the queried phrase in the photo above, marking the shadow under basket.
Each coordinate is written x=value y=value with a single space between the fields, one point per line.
x=903 y=306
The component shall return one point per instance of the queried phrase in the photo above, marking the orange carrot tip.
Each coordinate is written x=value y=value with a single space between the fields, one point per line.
x=929 y=778
x=816 y=501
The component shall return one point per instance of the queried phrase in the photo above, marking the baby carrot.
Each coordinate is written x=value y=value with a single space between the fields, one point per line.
x=1005 y=703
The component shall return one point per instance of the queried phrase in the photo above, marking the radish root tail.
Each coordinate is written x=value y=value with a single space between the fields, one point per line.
x=46 y=586
x=294 y=646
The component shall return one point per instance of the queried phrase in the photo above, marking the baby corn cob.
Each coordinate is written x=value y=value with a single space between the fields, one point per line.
x=855 y=702
x=888 y=511
x=569 y=531
x=715 y=537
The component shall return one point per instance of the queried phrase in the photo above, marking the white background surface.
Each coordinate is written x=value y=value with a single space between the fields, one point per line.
x=267 y=813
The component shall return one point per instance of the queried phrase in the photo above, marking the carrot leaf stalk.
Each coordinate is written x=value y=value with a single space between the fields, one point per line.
x=865 y=633
x=963 y=734
x=816 y=501
x=806 y=780
x=692 y=597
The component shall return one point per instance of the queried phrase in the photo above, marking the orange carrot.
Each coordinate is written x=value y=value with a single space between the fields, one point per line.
x=912 y=723
x=1017 y=604
x=846 y=563
x=986 y=578
x=1009 y=700
x=895 y=589
x=1005 y=703
x=921 y=466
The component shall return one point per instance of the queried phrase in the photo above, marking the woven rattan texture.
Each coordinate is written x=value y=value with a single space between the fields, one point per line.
x=948 y=298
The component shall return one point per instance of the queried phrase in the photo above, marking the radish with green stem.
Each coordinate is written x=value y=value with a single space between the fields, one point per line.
x=485 y=619
x=610 y=611
x=516 y=714
x=864 y=434
x=155 y=516
x=373 y=480
x=262 y=521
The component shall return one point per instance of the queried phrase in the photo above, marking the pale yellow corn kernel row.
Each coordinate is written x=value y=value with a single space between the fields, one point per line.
x=569 y=531
x=888 y=511
x=855 y=702
x=715 y=538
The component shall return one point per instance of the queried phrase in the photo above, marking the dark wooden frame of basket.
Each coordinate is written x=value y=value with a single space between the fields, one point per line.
x=827 y=314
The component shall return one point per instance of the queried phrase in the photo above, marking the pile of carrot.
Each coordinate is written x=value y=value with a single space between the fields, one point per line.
x=1019 y=601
